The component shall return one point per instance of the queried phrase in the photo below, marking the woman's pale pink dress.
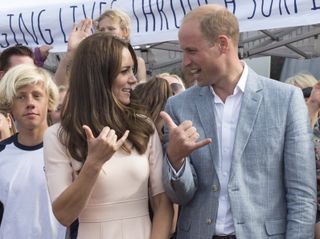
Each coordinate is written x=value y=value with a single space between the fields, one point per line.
x=118 y=205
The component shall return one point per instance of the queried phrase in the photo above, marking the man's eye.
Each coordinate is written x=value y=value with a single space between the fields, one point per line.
x=20 y=97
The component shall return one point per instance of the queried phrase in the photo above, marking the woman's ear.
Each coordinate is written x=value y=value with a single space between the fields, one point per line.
x=125 y=34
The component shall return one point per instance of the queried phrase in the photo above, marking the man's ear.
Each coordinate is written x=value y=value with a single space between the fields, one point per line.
x=223 y=42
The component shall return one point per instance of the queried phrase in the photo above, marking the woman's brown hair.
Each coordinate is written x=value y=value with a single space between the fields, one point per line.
x=153 y=95
x=90 y=100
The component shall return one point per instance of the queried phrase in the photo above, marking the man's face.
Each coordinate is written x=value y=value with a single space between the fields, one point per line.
x=30 y=107
x=17 y=60
x=200 y=58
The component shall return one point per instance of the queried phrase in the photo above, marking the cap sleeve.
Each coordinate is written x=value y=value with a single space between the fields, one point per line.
x=59 y=166
x=155 y=163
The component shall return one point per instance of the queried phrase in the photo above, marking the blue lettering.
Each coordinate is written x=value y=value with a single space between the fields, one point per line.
x=10 y=15
x=74 y=13
x=6 y=39
x=231 y=2
x=161 y=12
x=100 y=7
x=135 y=16
x=174 y=14
x=148 y=13
x=315 y=7
x=47 y=30
x=61 y=27
x=92 y=10
x=21 y=22
x=262 y=9
x=254 y=9
x=111 y=5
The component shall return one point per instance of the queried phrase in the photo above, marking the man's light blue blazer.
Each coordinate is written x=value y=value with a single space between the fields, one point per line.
x=272 y=184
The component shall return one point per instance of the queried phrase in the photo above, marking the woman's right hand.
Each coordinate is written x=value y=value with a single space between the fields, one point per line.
x=105 y=145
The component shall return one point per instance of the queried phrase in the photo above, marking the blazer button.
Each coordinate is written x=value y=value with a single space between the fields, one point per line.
x=215 y=188
x=209 y=221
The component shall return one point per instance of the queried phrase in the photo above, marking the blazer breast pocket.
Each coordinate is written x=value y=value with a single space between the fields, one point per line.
x=275 y=227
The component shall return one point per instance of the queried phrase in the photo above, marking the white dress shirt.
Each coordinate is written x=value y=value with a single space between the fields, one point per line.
x=226 y=116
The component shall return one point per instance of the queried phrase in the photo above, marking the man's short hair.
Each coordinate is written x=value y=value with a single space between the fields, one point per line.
x=18 y=50
x=23 y=75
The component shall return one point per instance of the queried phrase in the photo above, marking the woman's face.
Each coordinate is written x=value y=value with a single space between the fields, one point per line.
x=125 y=81
x=5 y=126
x=111 y=26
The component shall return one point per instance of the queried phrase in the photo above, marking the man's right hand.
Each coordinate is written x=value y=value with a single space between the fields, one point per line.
x=182 y=140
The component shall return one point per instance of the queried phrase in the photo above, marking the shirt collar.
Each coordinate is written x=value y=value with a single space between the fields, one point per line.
x=240 y=85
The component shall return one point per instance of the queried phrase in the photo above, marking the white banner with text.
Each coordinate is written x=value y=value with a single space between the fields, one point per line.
x=34 y=22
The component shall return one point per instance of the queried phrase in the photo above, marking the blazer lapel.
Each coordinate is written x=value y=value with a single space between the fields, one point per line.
x=250 y=105
x=205 y=104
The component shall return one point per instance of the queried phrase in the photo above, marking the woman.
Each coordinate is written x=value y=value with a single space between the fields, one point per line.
x=153 y=95
x=28 y=93
x=104 y=158
x=113 y=21
x=118 y=23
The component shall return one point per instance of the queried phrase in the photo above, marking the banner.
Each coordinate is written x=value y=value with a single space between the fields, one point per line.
x=34 y=22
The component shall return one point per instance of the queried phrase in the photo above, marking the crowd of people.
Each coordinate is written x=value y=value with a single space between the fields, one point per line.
x=97 y=150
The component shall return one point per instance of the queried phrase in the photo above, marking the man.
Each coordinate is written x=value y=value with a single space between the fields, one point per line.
x=28 y=93
x=252 y=174
x=13 y=56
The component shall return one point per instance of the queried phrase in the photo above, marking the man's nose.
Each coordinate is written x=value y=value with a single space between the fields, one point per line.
x=186 y=60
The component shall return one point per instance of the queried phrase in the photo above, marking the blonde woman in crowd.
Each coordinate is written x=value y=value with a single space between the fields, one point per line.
x=175 y=82
x=28 y=93
x=116 y=22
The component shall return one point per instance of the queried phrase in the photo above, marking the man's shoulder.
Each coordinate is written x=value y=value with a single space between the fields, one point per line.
x=268 y=84
x=188 y=94
x=7 y=141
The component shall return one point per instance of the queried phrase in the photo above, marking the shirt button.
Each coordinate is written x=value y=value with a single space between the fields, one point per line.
x=209 y=221
x=215 y=188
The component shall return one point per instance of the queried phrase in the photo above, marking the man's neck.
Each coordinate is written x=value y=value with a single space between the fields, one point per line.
x=229 y=82
x=31 y=137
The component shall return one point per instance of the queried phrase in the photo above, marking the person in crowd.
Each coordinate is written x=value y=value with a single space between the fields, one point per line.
x=7 y=126
x=28 y=93
x=118 y=23
x=40 y=54
x=153 y=95
x=310 y=87
x=174 y=81
x=105 y=157
x=240 y=158
x=55 y=114
x=306 y=82
x=13 y=56
x=115 y=22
